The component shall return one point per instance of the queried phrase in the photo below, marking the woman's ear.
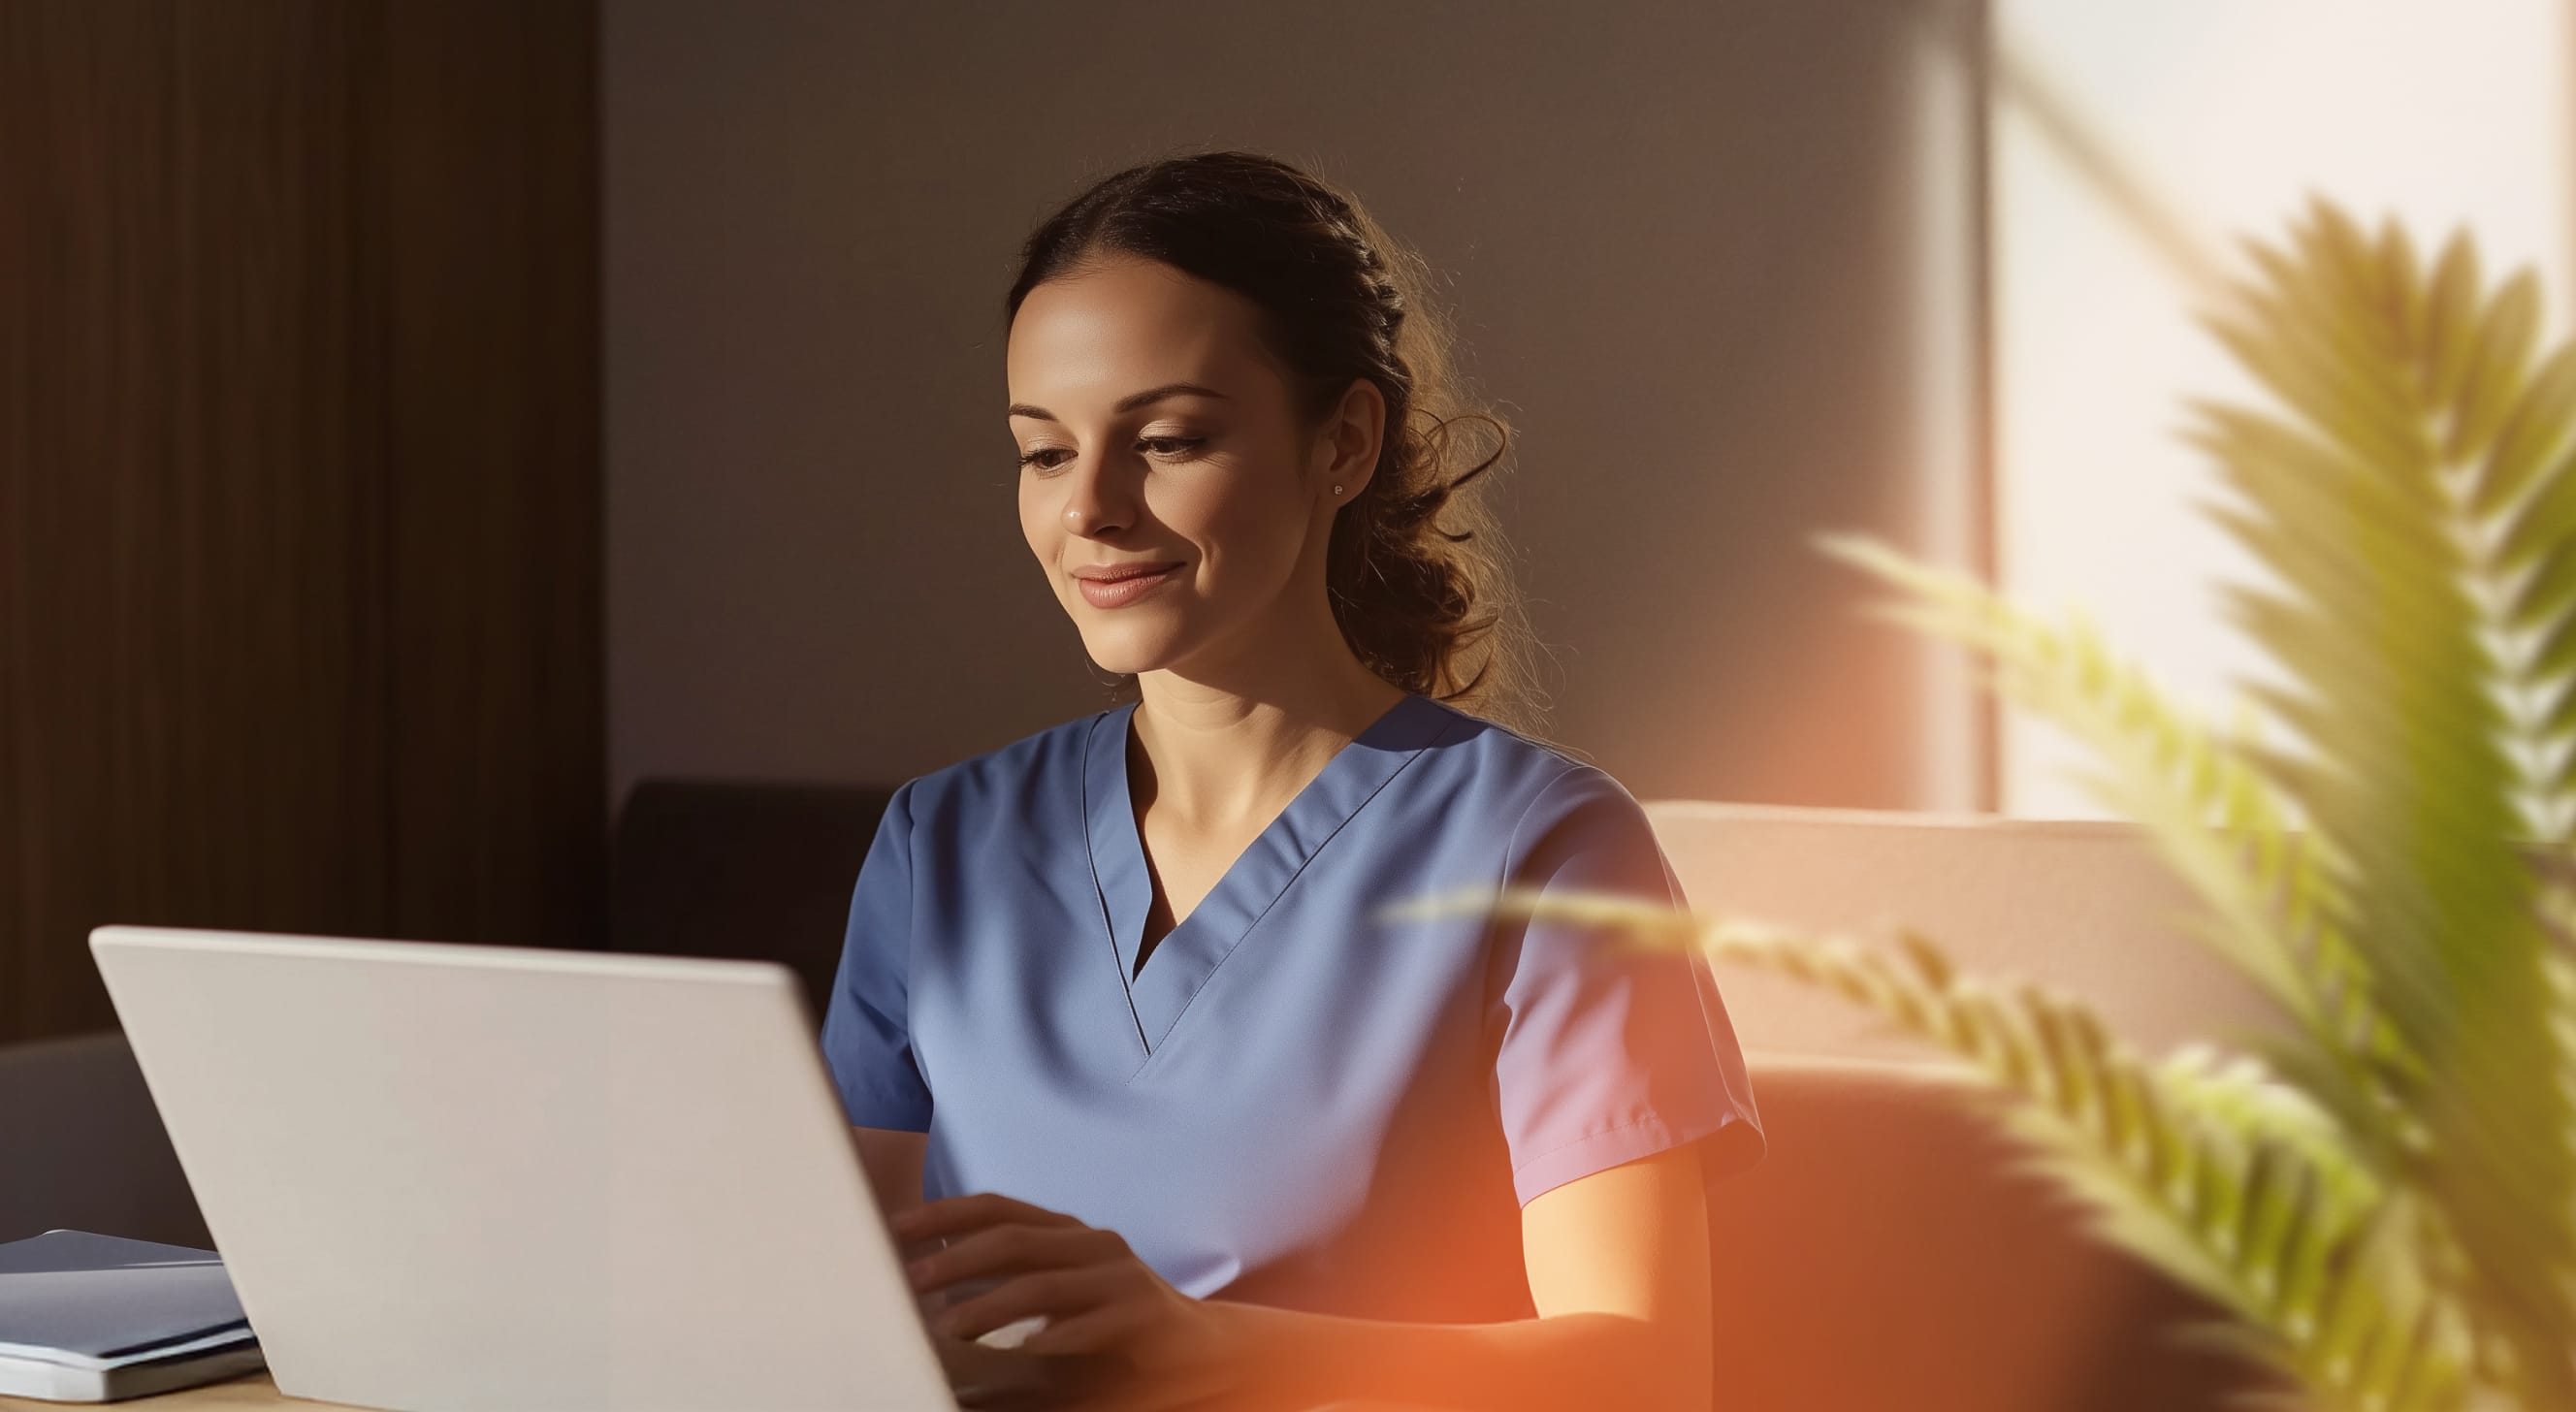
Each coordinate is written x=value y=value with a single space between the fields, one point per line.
x=1346 y=446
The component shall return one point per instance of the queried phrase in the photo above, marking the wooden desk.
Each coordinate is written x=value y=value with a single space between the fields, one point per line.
x=231 y=1395
x=258 y=1390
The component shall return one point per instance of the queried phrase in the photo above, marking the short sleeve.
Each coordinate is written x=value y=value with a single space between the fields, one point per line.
x=1608 y=1051
x=867 y=1039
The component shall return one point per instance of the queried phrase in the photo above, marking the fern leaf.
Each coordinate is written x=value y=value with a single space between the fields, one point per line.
x=2409 y=518
x=2212 y=818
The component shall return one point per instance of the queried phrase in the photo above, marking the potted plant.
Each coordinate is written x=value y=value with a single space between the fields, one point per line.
x=2380 y=1191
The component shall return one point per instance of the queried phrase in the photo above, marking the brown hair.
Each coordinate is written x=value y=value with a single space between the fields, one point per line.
x=1416 y=570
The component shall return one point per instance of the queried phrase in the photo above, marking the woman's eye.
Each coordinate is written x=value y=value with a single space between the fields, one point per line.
x=1155 y=445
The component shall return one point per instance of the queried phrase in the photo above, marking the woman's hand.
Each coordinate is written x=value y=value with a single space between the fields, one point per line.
x=1098 y=1297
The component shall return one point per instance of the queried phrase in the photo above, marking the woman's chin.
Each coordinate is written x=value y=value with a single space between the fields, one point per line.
x=1121 y=655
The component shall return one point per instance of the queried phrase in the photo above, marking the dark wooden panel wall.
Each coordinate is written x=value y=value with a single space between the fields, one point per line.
x=299 y=476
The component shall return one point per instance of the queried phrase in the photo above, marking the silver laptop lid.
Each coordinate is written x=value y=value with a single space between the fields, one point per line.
x=449 y=1177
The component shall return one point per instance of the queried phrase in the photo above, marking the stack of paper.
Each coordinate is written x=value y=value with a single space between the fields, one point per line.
x=94 y=1318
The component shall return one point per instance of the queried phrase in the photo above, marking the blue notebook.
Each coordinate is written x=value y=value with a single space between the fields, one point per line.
x=76 y=1309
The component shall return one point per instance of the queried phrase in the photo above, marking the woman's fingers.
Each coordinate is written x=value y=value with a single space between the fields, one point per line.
x=950 y=1215
x=1056 y=1293
x=1101 y=1327
x=997 y=1250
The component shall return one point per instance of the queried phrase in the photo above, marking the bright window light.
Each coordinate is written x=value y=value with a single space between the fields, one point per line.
x=2132 y=146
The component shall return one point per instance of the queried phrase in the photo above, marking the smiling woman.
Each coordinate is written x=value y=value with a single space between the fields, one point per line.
x=1122 y=1001
x=1273 y=325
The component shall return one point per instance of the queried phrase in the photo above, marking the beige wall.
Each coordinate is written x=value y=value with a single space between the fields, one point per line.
x=1711 y=257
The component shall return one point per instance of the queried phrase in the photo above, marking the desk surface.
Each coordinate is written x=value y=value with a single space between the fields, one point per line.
x=231 y=1395
x=259 y=1390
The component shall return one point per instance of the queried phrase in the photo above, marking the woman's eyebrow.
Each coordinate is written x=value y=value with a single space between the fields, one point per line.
x=1131 y=401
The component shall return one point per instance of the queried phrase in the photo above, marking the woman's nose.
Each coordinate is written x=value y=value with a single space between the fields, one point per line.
x=1095 y=500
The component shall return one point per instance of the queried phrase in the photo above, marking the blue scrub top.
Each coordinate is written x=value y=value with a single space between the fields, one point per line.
x=1294 y=1102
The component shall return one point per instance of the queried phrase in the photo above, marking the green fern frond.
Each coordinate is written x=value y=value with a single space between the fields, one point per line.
x=2210 y=1168
x=2211 y=817
x=2415 y=508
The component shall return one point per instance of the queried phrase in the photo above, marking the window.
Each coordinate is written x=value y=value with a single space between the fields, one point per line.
x=2132 y=146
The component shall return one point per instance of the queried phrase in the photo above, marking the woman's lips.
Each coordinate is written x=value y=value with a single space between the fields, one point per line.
x=1118 y=593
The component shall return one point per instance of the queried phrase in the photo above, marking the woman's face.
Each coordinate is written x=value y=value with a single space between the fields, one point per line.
x=1156 y=434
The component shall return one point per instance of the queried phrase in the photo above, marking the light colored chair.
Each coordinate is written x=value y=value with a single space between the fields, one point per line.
x=1890 y=1251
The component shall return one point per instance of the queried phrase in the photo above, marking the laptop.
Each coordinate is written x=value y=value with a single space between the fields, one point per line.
x=447 y=1177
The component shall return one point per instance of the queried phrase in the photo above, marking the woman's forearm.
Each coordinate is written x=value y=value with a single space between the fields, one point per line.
x=1541 y=1365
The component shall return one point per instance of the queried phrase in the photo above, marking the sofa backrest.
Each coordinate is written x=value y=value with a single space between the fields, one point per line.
x=2082 y=906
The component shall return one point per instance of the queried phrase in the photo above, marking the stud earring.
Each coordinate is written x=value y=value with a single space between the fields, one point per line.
x=1337 y=490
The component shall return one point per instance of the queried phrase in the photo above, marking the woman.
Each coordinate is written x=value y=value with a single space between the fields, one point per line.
x=1120 y=999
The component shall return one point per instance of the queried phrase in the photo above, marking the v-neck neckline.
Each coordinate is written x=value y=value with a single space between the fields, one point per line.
x=1187 y=955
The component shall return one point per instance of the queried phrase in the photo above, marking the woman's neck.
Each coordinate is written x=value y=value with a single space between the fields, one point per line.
x=1215 y=759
